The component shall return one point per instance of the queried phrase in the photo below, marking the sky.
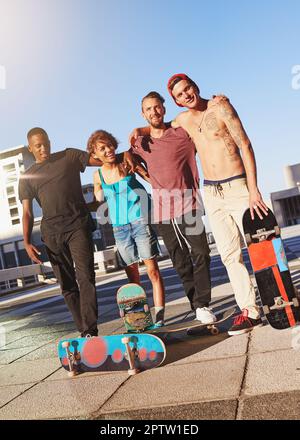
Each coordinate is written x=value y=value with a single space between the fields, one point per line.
x=74 y=66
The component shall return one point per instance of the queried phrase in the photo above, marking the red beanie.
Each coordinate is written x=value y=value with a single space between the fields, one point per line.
x=180 y=76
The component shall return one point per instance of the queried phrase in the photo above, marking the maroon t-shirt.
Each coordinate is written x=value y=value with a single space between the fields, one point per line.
x=173 y=171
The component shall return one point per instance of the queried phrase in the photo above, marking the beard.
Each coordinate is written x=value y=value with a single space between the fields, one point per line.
x=157 y=124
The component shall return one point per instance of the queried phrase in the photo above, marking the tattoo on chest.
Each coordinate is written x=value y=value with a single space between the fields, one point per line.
x=211 y=122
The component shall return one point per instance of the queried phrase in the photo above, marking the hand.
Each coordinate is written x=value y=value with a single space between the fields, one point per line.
x=220 y=98
x=257 y=205
x=143 y=172
x=133 y=137
x=33 y=253
x=128 y=162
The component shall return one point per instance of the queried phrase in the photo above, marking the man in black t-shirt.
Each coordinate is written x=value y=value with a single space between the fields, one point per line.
x=66 y=228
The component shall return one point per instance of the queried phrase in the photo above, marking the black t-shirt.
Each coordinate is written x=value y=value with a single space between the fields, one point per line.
x=55 y=184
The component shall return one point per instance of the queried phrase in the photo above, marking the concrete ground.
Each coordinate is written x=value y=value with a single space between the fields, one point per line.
x=252 y=376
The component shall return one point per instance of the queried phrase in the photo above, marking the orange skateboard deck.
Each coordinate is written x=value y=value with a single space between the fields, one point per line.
x=278 y=295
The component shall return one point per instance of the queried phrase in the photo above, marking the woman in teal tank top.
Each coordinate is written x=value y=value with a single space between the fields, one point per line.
x=128 y=206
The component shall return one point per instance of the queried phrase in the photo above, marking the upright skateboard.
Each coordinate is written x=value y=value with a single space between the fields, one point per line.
x=269 y=263
x=134 y=308
x=130 y=352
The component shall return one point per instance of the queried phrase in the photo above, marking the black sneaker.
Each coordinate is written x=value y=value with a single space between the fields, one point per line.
x=243 y=324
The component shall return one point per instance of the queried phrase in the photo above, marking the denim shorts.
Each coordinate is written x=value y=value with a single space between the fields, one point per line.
x=136 y=241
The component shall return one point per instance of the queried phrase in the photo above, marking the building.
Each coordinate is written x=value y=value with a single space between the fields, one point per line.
x=13 y=162
x=286 y=203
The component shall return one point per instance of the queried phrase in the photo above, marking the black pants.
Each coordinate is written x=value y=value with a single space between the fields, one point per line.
x=192 y=267
x=80 y=296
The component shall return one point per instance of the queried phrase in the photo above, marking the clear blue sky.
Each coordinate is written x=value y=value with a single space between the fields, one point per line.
x=73 y=66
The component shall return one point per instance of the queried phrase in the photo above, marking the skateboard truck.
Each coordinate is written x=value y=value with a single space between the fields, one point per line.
x=262 y=234
x=213 y=329
x=280 y=304
x=130 y=355
x=71 y=359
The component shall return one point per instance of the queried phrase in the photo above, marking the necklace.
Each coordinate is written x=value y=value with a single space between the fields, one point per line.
x=199 y=126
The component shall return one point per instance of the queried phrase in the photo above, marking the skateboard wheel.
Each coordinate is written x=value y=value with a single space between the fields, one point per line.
x=296 y=302
x=65 y=344
x=266 y=309
x=125 y=340
x=214 y=331
x=146 y=308
x=72 y=373
x=122 y=314
x=248 y=239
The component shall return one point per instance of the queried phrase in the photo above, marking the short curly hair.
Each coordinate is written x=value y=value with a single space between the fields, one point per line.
x=101 y=136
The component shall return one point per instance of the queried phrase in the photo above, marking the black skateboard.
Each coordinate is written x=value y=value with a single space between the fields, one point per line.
x=278 y=295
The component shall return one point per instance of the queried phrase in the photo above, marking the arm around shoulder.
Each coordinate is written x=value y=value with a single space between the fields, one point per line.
x=180 y=120
x=98 y=191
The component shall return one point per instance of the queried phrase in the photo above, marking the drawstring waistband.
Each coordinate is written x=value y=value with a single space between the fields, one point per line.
x=219 y=189
x=229 y=179
x=217 y=184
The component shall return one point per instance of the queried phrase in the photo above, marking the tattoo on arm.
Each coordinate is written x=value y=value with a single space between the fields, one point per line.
x=229 y=143
x=234 y=125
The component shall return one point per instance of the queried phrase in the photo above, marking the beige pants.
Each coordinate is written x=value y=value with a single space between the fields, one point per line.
x=225 y=207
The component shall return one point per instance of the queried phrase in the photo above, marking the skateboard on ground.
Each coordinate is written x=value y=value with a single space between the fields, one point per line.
x=134 y=308
x=269 y=263
x=132 y=352
x=193 y=325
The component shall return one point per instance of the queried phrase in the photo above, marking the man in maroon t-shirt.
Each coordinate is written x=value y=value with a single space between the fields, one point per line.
x=169 y=155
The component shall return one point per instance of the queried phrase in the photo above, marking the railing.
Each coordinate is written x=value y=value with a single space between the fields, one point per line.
x=21 y=277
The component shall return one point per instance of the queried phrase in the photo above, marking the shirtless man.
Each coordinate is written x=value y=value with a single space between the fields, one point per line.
x=230 y=185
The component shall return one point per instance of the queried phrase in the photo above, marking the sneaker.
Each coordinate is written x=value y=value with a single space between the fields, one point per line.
x=89 y=335
x=243 y=324
x=205 y=315
x=158 y=324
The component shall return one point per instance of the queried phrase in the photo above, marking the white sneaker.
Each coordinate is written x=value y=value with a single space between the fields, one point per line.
x=205 y=315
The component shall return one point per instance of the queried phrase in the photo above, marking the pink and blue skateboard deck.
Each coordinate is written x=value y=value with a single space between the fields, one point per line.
x=111 y=353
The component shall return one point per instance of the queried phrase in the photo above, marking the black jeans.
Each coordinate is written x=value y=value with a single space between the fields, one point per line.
x=77 y=285
x=192 y=267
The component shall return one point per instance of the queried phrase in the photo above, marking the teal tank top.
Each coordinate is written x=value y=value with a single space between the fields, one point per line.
x=127 y=200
